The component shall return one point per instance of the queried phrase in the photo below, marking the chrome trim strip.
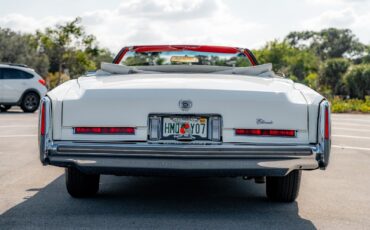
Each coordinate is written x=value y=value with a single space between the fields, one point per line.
x=184 y=150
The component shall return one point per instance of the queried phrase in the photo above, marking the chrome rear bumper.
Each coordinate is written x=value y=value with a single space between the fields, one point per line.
x=182 y=159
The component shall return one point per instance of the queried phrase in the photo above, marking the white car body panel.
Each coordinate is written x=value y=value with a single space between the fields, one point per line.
x=313 y=99
x=13 y=89
x=127 y=101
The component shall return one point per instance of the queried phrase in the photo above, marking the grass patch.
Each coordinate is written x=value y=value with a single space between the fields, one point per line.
x=339 y=105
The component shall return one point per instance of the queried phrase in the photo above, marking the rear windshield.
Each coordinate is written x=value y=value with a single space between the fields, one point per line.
x=185 y=57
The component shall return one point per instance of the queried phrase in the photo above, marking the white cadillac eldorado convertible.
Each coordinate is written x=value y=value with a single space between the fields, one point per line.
x=184 y=110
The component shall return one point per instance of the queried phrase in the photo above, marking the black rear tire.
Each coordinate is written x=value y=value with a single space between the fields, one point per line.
x=80 y=184
x=30 y=102
x=4 y=108
x=284 y=189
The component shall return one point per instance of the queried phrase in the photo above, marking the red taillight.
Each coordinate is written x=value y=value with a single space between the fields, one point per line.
x=266 y=132
x=327 y=128
x=104 y=130
x=42 y=82
x=42 y=122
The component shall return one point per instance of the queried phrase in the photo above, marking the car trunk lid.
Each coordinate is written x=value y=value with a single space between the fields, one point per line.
x=127 y=101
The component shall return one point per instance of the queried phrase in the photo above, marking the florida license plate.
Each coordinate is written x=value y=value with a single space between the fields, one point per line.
x=196 y=127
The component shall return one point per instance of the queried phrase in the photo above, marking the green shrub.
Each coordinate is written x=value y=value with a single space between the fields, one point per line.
x=357 y=80
x=350 y=105
x=311 y=80
x=331 y=74
x=288 y=59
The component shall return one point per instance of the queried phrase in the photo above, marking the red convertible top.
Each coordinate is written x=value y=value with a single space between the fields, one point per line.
x=216 y=49
x=199 y=48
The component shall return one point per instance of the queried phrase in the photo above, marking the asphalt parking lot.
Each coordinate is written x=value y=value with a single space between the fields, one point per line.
x=33 y=196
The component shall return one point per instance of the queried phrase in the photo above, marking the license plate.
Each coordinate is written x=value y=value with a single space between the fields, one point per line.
x=196 y=127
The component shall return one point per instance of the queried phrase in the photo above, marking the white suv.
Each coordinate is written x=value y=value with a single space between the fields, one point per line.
x=20 y=85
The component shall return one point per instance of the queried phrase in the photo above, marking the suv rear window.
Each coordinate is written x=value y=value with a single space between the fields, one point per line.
x=8 y=73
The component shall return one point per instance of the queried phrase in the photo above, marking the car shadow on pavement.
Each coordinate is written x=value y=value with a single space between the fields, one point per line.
x=157 y=203
x=12 y=112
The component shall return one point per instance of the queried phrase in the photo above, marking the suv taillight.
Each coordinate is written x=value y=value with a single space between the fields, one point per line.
x=42 y=82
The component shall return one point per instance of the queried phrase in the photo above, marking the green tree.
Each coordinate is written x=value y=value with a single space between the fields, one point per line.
x=22 y=49
x=274 y=52
x=327 y=43
x=312 y=80
x=302 y=63
x=357 y=80
x=365 y=58
x=291 y=61
x=331 y=74
x=102 y=55
x=69 y=47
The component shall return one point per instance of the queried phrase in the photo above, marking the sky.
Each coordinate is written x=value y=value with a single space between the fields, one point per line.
x=242 y=23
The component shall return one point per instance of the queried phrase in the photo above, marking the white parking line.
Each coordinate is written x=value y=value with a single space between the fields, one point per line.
x=355 y=137
x=350 y=147
x=2 y=120
x=18 y=126
x=361 y=120
x=25 y=135
x=349 y=124
x=357 y=130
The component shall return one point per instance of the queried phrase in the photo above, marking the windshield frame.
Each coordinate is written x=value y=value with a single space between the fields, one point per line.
x=216 y=49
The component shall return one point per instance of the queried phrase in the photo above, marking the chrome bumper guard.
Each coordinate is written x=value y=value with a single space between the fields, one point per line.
x=182 y=159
